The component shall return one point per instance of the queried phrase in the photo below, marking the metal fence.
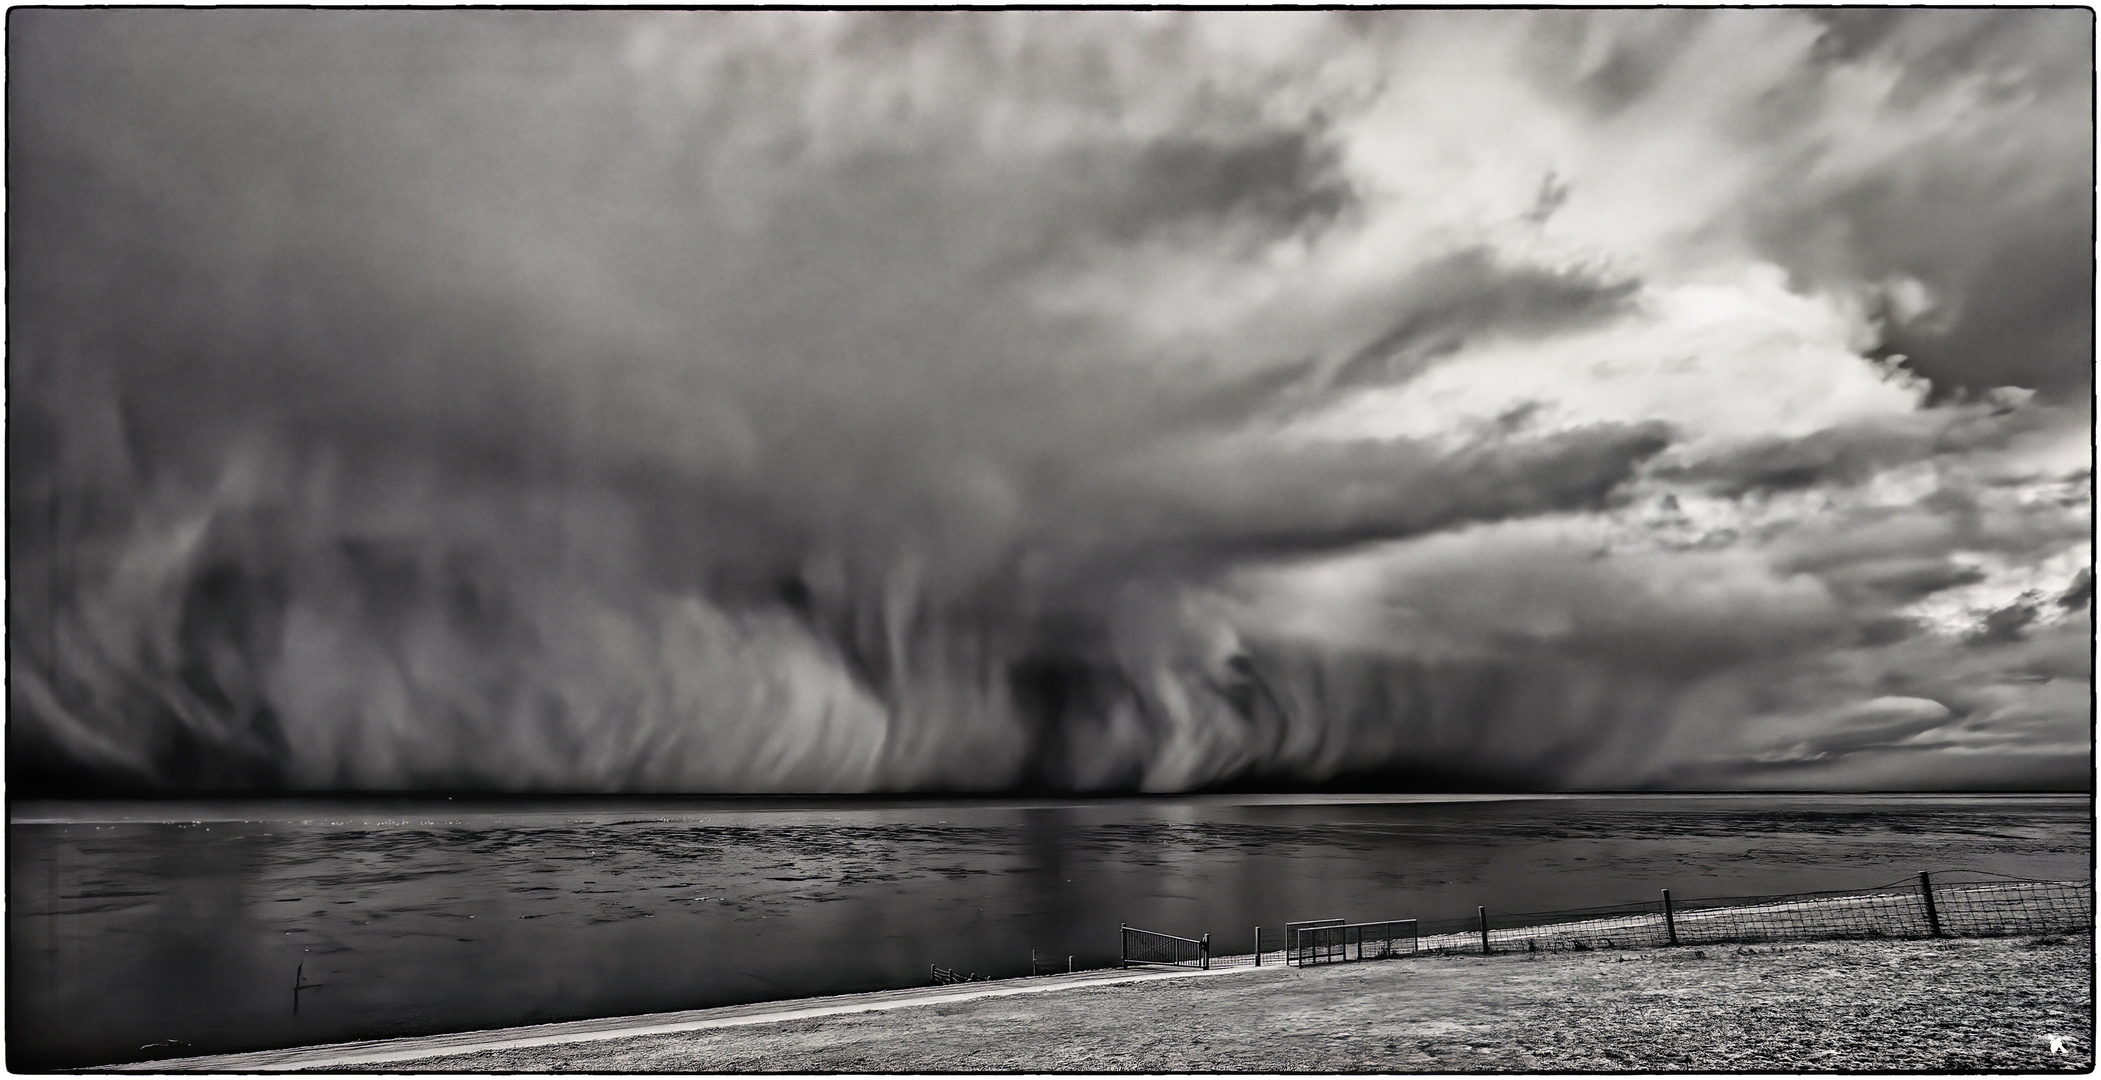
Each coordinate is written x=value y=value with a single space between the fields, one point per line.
x=1274 y=944
x=1351 y=941
x=943 y=976
x=1148 y=947
x=1956 y=905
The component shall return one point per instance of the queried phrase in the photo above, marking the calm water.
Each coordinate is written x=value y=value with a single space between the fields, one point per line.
x=141 y=930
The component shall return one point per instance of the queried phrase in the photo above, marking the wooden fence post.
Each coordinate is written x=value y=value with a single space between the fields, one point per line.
x=1933 y=915
x=1670 y=920
x=1483 y=912
x=1123 y=945
x=1203 y=953
x=1258 y=946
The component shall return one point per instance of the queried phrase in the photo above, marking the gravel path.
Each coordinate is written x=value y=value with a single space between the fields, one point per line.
x=1944 y=1006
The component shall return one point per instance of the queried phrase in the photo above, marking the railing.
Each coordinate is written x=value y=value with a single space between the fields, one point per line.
x=1279 y=942
x=1148 y=947
x=943 y=976
x=1347 y=942
x=1041 y=966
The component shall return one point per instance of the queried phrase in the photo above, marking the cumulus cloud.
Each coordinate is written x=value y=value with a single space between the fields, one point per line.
x=866 y=401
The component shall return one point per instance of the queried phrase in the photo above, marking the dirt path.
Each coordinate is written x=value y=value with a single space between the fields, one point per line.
x=1952 y=1006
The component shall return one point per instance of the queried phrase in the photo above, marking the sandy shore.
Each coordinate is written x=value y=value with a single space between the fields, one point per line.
x=1948 y=1005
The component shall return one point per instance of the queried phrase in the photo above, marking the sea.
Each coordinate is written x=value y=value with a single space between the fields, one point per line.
x=140 y=930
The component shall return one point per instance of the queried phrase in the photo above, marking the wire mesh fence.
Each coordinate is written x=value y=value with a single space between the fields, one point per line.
x=1955 y=905
x=2014 y=906
x=1944 y=903
x=1895 y=910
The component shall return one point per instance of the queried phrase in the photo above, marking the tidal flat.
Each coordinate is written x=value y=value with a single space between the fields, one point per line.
x=153 y=930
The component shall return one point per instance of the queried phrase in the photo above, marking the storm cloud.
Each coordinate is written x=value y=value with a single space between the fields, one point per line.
x=800 y=401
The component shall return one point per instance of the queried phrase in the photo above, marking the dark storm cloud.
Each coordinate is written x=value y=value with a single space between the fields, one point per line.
x=2080 y=593
x=2015 y=715
x=1851 y=454
x=2005 y=244
x=1975 y=179
x=1522 y=595
x=1876 y=725
x=1286 y=180
x=1465 y=295
x=416 y=354
x=2004 y=625
x=1224 y=502
x=840 y=401
x=1830 y=456
x=1902 y=580
x=1978 y=500
x=1634 y=64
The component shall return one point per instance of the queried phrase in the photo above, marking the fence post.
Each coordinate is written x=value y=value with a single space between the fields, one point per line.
x=1933 y=915
x=1258 y=946
x=1123 y=945
x=1203 y=953
x=1068 y=965
x=1670 y=920
x=1484 y=929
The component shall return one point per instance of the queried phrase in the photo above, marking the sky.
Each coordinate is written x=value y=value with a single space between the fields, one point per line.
x=771 y=401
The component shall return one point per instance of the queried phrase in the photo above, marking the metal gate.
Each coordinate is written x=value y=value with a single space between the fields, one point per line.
x=1273 y=940
x=1351 y=941
x=1148 y=947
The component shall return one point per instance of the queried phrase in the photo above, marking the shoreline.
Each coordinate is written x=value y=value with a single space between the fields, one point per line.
x=1953 y=1005
x=1637 y=933
x=569 y=1032
x=641 y=943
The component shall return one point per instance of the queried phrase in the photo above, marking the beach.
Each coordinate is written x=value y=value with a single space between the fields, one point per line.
x=1936 y=1005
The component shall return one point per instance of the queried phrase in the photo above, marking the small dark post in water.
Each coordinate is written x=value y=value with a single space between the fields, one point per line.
x=1203 y=953
x=1933 y=915
x=299 y=983
x=1258 y=946
x=1670 y=920
x=1483 y=912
